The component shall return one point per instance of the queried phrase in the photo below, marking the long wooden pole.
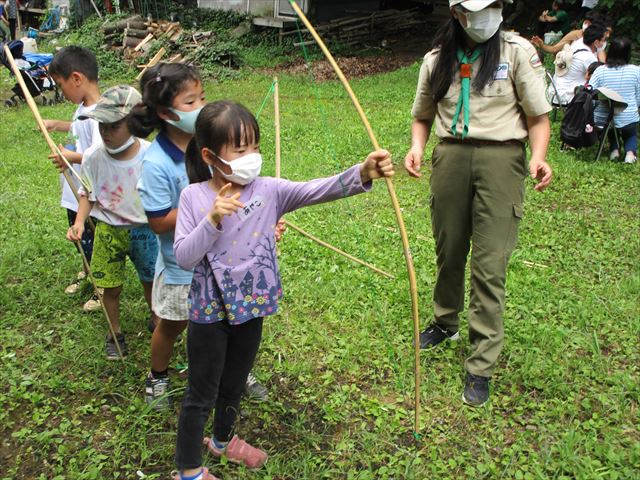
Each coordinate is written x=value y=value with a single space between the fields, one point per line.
x=276 y=106
x=413 y=289
x=55 y=150
x=276 y=121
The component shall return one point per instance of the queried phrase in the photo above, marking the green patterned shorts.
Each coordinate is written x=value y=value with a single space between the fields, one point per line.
x=112 y=245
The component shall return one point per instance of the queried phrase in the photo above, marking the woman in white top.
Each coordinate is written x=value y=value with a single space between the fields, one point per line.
x=584 y=54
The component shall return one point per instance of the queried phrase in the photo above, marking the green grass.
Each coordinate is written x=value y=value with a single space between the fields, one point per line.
x=338 y=360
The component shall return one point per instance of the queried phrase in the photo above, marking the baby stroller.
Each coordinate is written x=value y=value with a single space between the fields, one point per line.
x=33 y=68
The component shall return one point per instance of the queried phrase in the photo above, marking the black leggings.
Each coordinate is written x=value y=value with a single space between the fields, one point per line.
x=220 y=359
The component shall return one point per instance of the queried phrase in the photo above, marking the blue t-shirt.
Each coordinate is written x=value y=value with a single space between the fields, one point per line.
x=163 y=178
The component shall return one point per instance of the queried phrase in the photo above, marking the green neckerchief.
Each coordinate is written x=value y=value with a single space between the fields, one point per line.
x=465 y=89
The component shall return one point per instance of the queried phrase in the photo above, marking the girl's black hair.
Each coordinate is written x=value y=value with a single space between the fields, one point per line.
x=619 y=52
x=219 y=123
x=593 y=66
x=449 y=37
x=159 y=86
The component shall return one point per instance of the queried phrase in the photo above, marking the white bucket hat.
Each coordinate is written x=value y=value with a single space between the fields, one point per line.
x=474 y=5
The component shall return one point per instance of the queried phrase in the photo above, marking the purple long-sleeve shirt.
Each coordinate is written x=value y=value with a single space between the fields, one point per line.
x=236 y=273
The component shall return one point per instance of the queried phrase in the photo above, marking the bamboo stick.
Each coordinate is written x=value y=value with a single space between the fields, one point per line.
x=337 y=250
x=413 y=289
x=276 y=121
x=276 y=105
x=54 y=149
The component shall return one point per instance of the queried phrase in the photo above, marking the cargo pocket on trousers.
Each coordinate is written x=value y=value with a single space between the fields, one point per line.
x=518 y=213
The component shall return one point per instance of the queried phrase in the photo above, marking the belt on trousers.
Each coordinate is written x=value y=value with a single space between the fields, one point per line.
x=481 y=143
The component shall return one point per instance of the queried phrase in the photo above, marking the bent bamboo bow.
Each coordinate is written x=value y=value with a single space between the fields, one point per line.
x=396 y=206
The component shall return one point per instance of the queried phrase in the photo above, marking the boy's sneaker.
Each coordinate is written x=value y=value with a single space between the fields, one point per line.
x=204 y=476
x=254 y=390
x=630 y=158
x=74 y=287
x=614 y=155
x=112 y=350
x=434 y=335
x=157 y=392
x=240 y=452
x=93 y=303
x=476 y=390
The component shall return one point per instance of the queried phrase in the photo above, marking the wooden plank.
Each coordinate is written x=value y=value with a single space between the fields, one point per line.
x=156 y=58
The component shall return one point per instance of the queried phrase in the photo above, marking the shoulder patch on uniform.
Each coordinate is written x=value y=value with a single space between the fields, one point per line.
x=517 y=39
x=432 y=53
x=535 y=61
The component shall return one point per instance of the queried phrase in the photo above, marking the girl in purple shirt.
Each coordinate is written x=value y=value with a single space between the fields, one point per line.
x=225 y=232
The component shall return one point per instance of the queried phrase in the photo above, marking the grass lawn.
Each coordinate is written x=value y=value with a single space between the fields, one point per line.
x=338 y=359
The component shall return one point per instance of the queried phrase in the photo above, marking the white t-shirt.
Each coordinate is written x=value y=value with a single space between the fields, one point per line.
x=589 y=3
x=113 y=186
x=83 y=134
x=575 y=76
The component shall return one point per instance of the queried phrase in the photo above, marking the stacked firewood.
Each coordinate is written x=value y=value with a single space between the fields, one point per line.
x=358 y=29
x=135 y=32
x=153 y=41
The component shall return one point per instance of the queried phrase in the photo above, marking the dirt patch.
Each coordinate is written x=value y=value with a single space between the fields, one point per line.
x=352 y=67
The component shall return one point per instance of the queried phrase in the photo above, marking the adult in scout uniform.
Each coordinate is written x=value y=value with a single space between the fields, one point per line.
x=484 y=90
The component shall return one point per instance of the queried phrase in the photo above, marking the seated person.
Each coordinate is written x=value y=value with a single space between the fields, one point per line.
x=590 y=19
x=572 y=74
x=622 y=77
x=556 y=20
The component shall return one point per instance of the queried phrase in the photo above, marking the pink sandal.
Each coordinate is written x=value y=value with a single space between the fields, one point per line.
x=240 y=452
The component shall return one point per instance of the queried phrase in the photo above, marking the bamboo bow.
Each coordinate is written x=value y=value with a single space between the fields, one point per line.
x=396 y=206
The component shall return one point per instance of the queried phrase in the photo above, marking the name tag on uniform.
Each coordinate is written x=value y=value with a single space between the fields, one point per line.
x=502 y=72
x=255 y=204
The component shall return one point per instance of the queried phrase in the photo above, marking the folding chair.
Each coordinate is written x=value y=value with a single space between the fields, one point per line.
x=615 y=104
x=553 y=97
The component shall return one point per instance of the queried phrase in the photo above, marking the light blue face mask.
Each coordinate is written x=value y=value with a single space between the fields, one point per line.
x=187 y=120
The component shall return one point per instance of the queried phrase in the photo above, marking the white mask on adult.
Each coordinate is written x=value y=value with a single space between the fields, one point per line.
x=244 y=170
x=483 y=25
x=601 y=47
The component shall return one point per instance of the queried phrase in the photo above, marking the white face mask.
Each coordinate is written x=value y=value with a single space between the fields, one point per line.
x=601 y=47
x=186 y=120
x=244 y=170
x=585 y=25
x=483 y=25
x=121 y=148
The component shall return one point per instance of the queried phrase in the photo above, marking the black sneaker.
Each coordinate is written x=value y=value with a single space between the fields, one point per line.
x=434 y=335
x=112 y=350
x=476 y=390
x=157 y=392
x=255 y=390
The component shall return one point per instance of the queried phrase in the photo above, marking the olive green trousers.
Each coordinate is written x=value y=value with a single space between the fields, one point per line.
x=477 y=195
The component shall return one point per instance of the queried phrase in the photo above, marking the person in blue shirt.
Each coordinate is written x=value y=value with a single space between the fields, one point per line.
x=619 y=75
x=172 y=97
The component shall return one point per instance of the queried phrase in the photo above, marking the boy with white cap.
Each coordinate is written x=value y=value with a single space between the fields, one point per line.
x=111 y=172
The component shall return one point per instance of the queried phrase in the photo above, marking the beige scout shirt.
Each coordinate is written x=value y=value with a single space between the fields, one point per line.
x=498 y=112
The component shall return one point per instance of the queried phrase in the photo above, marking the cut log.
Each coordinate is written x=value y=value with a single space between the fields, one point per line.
x=134 y=32
x=131 y=42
